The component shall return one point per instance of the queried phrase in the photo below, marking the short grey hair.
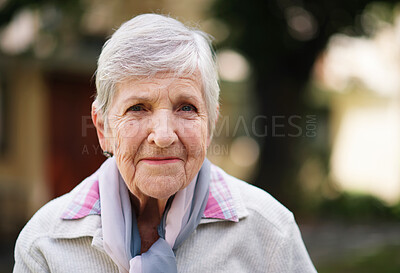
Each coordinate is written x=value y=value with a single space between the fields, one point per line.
x=151 y=43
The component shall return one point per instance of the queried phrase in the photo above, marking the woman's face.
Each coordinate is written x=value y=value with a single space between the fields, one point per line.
x=158 y=132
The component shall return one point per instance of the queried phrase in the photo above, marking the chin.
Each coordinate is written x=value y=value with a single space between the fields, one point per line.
x=163 y=187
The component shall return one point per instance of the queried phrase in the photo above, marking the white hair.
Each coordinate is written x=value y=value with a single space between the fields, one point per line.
x=151 y=43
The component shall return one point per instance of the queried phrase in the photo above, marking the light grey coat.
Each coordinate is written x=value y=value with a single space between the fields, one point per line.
x=266 y=239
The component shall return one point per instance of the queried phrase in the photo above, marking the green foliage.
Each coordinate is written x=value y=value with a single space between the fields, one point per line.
x=282 y=57
x=11 y=7
x=358 y=207
x=261 y=29
x=381 y=260
x=395 y=211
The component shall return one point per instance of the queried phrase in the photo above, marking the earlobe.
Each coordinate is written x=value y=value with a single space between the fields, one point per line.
x=98 y=121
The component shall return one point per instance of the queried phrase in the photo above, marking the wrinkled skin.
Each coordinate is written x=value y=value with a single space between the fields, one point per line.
x=158 y=132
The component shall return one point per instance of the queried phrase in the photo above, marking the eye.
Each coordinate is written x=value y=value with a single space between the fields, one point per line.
x=136 y=108
x=188 y=108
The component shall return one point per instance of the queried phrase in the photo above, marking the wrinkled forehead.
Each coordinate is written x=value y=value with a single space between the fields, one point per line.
x=146 y=87
x=162 y=81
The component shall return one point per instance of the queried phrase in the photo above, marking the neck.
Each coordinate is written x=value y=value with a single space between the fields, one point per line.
x=148 y=207
x=148 y=215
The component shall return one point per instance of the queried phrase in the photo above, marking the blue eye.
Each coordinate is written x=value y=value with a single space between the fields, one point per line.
x=188 y=108
x=136 y=108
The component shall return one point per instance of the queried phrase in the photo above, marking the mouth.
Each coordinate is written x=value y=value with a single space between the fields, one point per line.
x=160 y=160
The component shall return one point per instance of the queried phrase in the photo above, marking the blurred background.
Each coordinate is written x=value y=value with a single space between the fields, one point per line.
x=310 y=100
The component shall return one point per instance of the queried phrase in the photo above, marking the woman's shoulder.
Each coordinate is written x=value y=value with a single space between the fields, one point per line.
x=258 y=203
x=48 y=220
x=38 y=229
x=51 y=235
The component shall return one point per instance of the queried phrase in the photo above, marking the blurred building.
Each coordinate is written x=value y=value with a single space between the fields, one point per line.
x=48 y=56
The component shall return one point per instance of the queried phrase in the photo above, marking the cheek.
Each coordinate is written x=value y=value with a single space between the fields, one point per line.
x=193 y=134
x=128 y=136
x=127 y=139
x=193 y=129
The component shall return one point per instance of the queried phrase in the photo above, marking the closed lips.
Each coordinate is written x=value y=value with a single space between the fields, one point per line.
x=160 y=160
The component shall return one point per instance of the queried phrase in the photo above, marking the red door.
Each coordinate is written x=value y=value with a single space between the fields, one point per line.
x=74 y=152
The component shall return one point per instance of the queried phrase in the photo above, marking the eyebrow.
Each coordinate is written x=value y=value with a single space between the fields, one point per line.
x=137 y=98
x=141 y=98
x=187 y=97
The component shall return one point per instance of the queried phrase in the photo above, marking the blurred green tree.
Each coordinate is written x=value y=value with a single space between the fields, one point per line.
x=10 y=7
x=282 y=39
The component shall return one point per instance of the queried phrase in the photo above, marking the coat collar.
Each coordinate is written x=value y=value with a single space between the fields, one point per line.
x=224 y=201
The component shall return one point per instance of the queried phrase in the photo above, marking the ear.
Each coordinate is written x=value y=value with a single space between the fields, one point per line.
x=98 y=121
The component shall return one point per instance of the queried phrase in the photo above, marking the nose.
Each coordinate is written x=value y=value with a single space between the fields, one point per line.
x=162 y=130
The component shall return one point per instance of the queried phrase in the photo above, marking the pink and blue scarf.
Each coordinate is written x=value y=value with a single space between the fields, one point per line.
x=121 y=239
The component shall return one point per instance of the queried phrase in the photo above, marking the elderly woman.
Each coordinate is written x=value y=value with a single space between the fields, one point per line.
x=157 y=204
